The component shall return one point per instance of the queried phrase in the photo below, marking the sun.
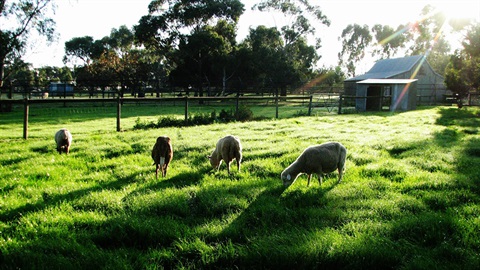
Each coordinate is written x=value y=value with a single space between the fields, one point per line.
x=460 y=9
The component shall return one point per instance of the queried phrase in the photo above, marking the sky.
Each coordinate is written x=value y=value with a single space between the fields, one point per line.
x=96 y=18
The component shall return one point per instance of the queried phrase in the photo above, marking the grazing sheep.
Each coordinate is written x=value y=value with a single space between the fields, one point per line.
x=227 y=149
x=162 y=154
x=319 y=159
x=63 y=138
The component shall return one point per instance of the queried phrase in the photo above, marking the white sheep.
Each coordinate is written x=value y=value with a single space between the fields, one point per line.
x=64 y=139
x=319 y=159
x=162 y=154
x=227 y=149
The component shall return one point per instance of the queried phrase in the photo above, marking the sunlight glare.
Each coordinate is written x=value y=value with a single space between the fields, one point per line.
x=466 y=9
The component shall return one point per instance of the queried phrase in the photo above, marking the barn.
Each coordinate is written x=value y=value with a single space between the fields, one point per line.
x=397 y=83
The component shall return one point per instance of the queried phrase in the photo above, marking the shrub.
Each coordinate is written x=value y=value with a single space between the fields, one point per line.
x=244 y=114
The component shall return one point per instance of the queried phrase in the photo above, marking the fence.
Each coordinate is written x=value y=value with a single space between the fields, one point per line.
x=120 y=101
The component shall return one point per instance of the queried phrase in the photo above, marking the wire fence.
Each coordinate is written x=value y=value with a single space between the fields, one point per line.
x=185 y=102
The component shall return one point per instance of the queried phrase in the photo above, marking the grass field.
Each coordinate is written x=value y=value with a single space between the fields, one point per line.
x=410 y=198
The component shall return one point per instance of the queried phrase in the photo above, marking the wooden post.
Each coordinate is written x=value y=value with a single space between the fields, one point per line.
x=340 y=104
x=119 y=113
x=276 y=105
x=310 y=106
x=236 y=106
x=25 y=119
x=186 y=109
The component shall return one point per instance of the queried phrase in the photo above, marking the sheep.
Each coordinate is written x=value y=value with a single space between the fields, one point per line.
x=162 y=154
x=64 y=139
x=319 y=159
x=227 y=149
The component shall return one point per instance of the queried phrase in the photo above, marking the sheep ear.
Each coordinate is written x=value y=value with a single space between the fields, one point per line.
x=289 y=177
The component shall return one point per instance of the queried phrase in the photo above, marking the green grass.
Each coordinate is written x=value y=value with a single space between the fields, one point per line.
x=410 y=198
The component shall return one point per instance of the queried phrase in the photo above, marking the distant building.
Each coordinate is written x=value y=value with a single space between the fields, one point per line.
x=399 y=83
x=59 y=89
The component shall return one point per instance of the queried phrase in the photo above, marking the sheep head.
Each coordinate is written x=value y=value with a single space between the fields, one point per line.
x=288 y=178
x=214 y=161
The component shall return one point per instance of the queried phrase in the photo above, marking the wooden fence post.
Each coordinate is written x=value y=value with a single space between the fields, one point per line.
x=25 y=118
x=340 y=104
x=186 y=109
x=119 y=113
x=276 y=105
x=310 y=106
x=236 y=106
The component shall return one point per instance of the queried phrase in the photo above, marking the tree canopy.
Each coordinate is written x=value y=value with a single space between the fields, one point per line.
x=426 y=36
x=194 y=45
x=462 y=74
x=18 y=19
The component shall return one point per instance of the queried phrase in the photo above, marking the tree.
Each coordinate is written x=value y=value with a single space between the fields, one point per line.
x=113 y=61
x=296 y=58
x=388 y=40
x=355 y=41
x=164 y=27
x=20 y=77
x=264 y=57
x=423 y=37
x=204 y=56
x=428 y=38
x=171 y=26
x=81 y=48
x=462 y=74
x=18 y=20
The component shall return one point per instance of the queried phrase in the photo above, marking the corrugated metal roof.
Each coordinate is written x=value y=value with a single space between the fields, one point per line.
x=387 y=68
x=387 y=81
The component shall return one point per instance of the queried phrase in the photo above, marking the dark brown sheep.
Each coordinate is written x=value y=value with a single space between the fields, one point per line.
x=162 y=154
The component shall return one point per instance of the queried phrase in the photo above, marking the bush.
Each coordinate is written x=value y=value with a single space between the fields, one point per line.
x=244 y=114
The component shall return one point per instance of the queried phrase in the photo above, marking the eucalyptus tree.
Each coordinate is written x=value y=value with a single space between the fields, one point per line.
x=205 y=57
x=388 y=40
x=462 y=74
x=170 y=25
x=299 y=58
x=112 y=61
x=21 y=77
x=355 y=41
x=428 y=38
x=262 y=57
x=18 y=19
x=79 y=48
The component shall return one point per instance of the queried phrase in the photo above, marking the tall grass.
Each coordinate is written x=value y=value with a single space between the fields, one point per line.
x=410 y=198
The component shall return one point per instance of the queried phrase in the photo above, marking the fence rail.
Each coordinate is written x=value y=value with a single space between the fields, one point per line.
x=120 y=101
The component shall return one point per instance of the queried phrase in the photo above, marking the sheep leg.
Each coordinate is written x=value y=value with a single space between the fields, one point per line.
x=320 y=178
x=219 y=164
x=228 y=166
x=340 y=174
x=156 y=170
x=309 y=177
x=238 y=159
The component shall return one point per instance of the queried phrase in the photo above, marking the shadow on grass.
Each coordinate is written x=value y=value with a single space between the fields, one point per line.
x=258 y=224
x=467 y=117
x=12 y=160
x=49 y=200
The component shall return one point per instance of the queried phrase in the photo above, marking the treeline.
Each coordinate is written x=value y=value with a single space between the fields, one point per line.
x=193 y=45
